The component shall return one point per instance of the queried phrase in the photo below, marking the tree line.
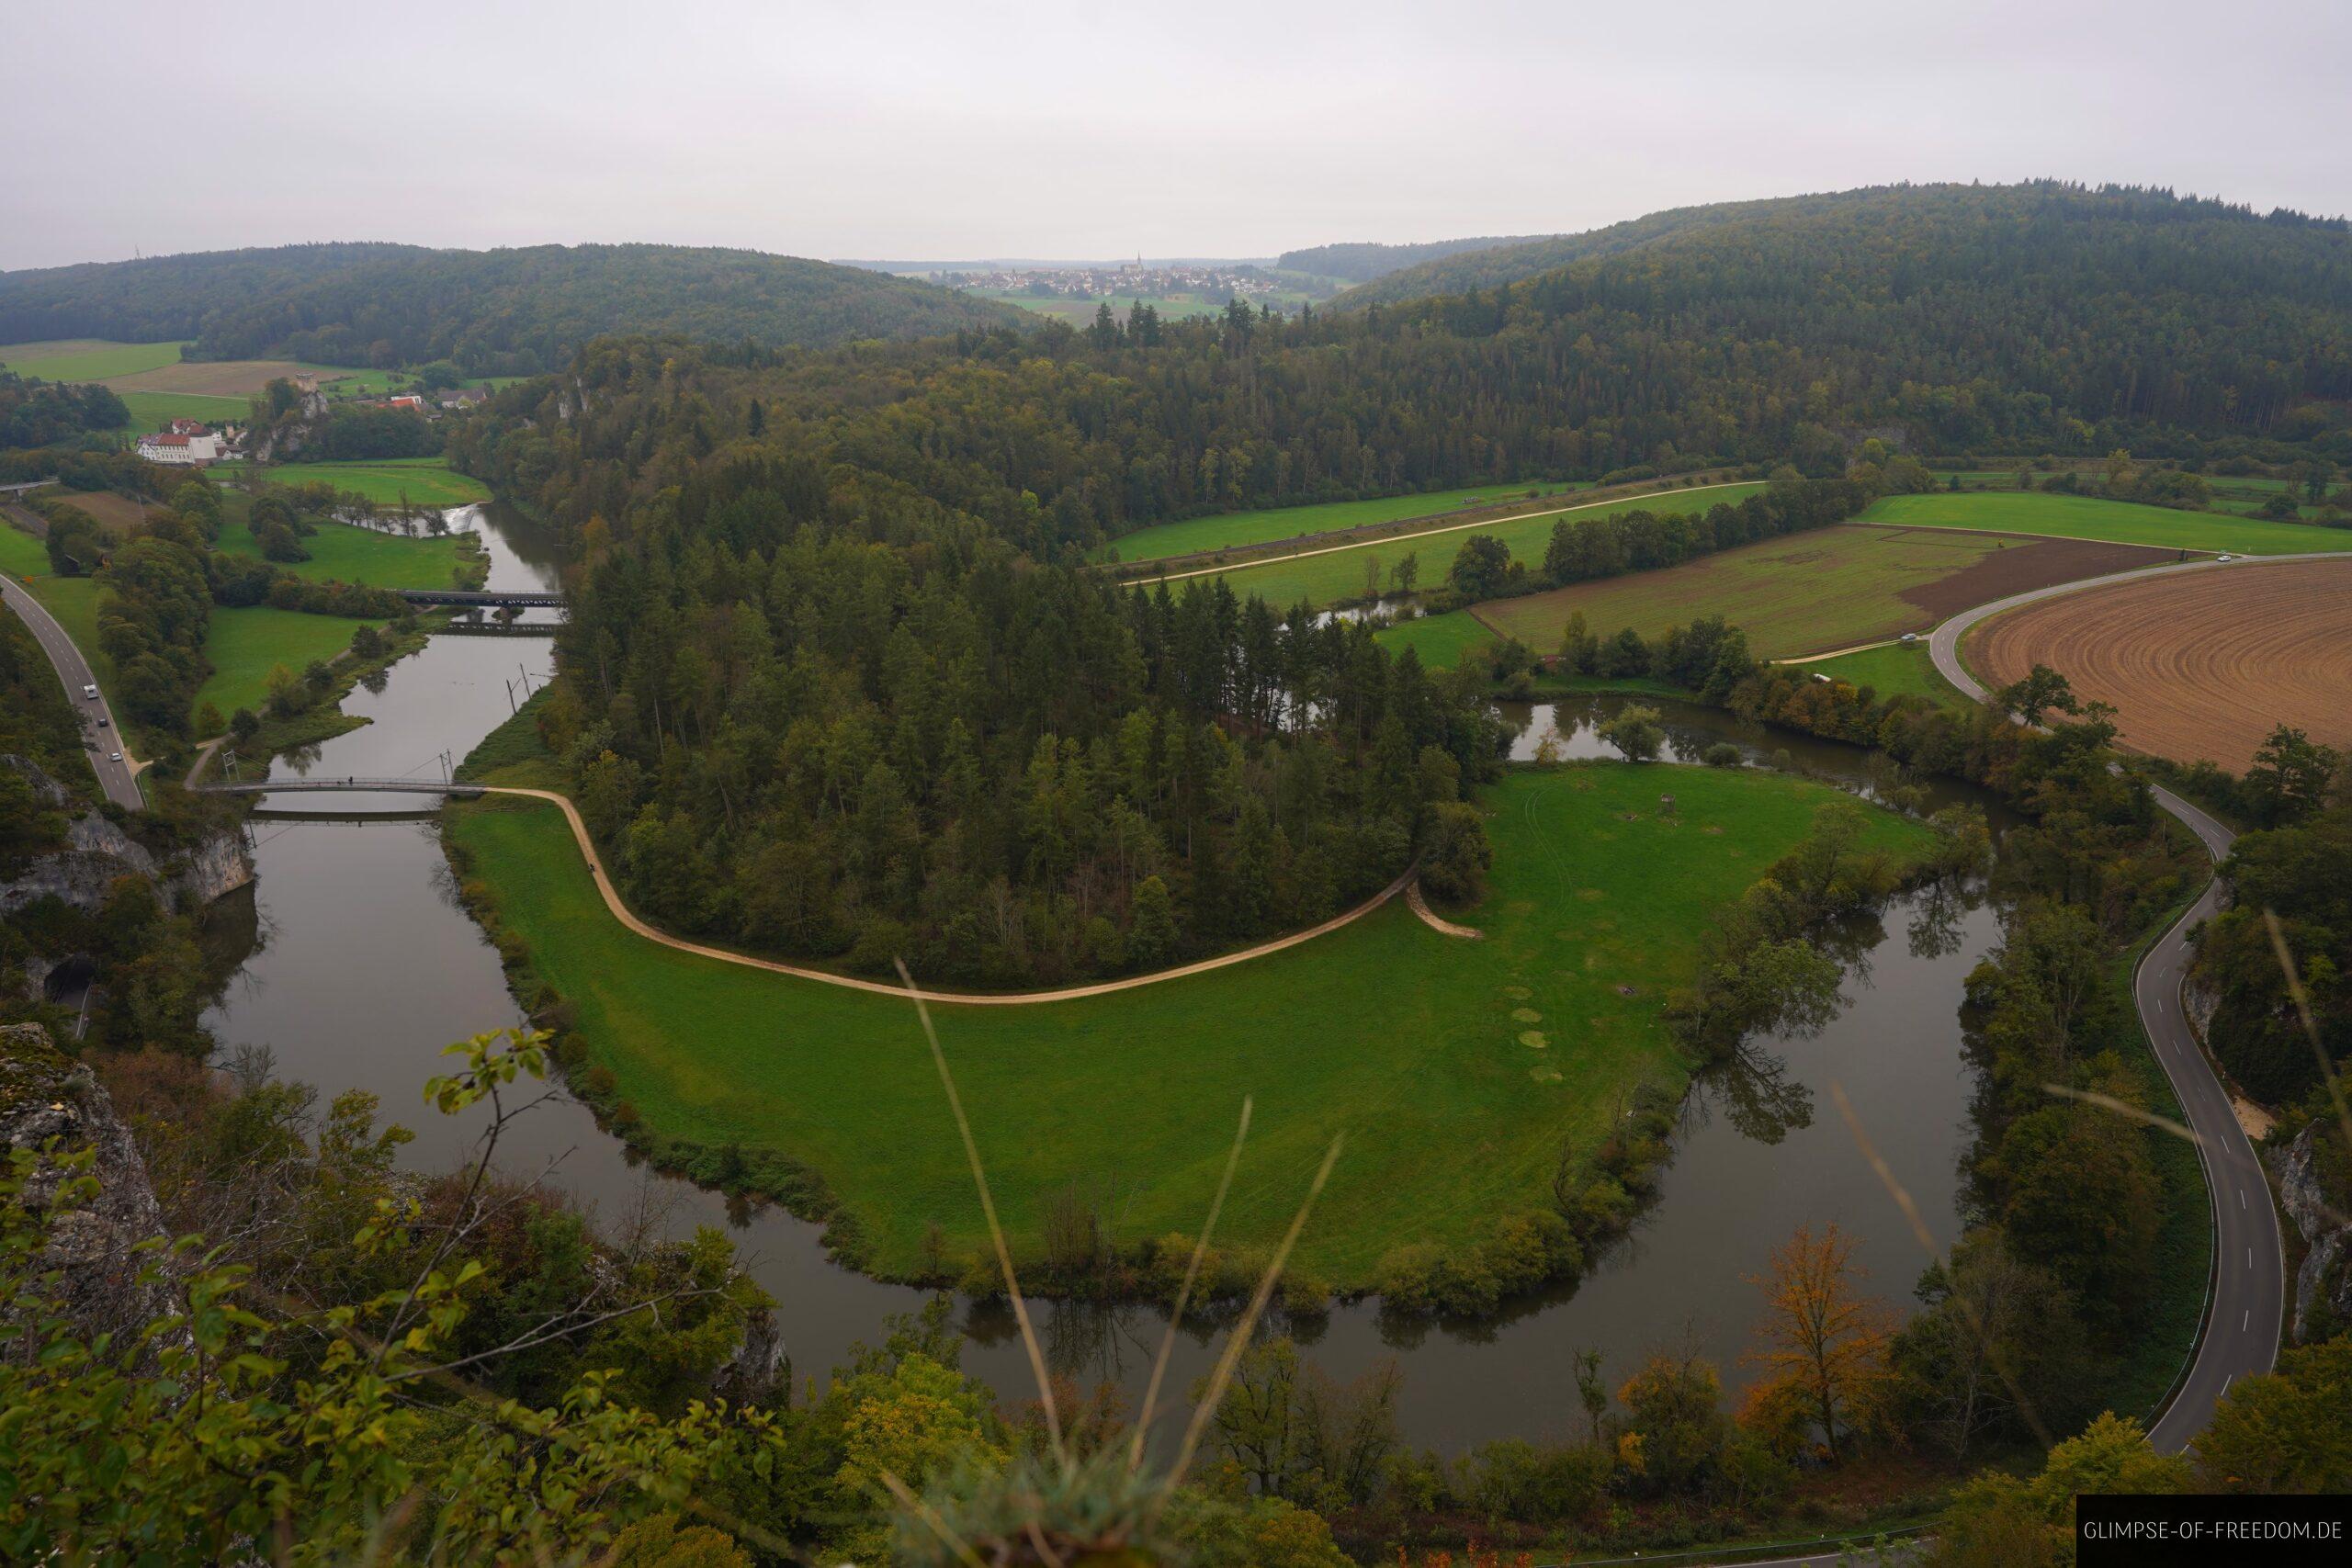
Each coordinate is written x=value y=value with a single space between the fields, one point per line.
x=814 y=714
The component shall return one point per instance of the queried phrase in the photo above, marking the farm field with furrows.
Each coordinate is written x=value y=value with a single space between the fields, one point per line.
x=1342 y=572
x=1815 y=591
x=2200 y=664
x=1382 y=1030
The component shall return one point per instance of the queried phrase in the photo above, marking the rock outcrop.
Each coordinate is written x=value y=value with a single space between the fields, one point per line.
x=97 y=851
x=52 y=1105
x=2325 y=1278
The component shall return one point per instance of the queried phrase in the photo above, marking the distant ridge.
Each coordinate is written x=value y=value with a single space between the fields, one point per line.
x=515 y=312
x=1361 y=261
x=1466 y=268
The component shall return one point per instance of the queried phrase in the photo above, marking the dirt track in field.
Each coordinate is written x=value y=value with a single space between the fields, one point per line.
x=2199 y=665
x=211 y=378
x=2024 y=564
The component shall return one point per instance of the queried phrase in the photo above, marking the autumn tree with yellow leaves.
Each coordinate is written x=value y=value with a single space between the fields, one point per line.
x=1822 y=1343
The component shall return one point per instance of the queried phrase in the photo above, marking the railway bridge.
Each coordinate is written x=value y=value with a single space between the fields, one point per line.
x=483 y=599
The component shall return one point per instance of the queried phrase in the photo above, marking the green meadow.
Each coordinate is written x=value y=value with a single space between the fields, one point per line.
x=2111 y=522
x=242 y=646
x=154 y=411
x=1229 y=530
x=1339 y=573
x=88 y=359
x=1898 y=669
x=1440 y=640
x=343 y=553
x=1452 y=1068
x=420 y=482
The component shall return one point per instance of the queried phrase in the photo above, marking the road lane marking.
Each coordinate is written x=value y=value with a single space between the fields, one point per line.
x=2241 y=1197
x=2246 y=1322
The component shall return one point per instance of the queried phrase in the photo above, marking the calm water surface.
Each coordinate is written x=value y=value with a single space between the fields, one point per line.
x=366 y=965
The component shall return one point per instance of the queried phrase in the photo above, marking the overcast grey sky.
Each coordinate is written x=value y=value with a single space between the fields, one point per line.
x=929 y=129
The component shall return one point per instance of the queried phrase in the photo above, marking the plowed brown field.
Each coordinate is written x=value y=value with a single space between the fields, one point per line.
x=2199 y=665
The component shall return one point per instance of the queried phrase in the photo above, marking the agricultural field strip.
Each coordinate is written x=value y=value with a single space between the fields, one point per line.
x=1238 y=568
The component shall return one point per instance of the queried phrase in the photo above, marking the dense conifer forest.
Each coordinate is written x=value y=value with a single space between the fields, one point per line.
x=1828 y=216
x=504 y=312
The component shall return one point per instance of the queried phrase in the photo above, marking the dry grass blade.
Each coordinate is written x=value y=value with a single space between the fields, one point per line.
x=1215 y=1394
x=929 y=1514
x=996 y=1231
x=2125 y=1110
x=1184 y=1292
x=1903 y=1201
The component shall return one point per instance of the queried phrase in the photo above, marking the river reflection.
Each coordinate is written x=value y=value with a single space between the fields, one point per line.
x=367 y=966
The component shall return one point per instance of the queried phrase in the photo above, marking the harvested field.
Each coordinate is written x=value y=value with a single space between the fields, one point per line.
x=1827 y=589
x=116 y=514
x=210 y=378
x=2199 y=665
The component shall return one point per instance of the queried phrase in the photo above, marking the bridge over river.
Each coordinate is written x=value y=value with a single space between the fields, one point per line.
x=343 y=785
x=483 y=599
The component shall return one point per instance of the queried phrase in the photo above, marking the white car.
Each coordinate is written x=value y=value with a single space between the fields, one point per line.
x=90 y=692
x=114 y=756
x=2224 y=558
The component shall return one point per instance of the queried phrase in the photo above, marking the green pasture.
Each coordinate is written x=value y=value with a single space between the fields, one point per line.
x=242 y=646
x=1807 y=593
x=154 y=411
x=1452 y=1068
x=342 y=553
x=1440 y=640
x=1339 y=573
x=1231 y=530
x=421 y=481
x=1897 y=670
x=2111 y=521
x=86 y=359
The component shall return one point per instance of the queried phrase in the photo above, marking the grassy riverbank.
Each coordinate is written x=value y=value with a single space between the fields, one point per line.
x=1455 y=1068
x=418 y=482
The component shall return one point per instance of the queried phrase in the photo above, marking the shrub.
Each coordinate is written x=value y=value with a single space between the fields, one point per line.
x=1721 y=754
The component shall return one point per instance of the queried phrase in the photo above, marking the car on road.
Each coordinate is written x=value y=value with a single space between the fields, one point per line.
x=2224 y=558
x=90 y=692
x=114 y=756
x=102 y=721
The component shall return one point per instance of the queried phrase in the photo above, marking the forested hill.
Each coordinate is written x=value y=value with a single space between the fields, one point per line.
x=1880 y=217
x=1364 y=260
x=1997 y=321
x=494 y=312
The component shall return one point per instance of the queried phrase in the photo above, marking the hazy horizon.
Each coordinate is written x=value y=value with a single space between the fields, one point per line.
x=943 y=133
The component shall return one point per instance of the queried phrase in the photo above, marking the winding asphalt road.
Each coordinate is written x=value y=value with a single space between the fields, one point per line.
x=116 y=776
x=2247 y=1289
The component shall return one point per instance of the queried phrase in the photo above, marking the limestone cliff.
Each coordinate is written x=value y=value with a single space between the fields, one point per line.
x=2325 y=1278
x=52 y=1104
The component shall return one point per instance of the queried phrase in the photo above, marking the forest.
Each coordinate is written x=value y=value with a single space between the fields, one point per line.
x=1510 y=262
x=1994 y=320
x=42 y=413
x=504 y=312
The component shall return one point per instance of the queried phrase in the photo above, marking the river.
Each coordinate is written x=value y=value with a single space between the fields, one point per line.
x=366 y=965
